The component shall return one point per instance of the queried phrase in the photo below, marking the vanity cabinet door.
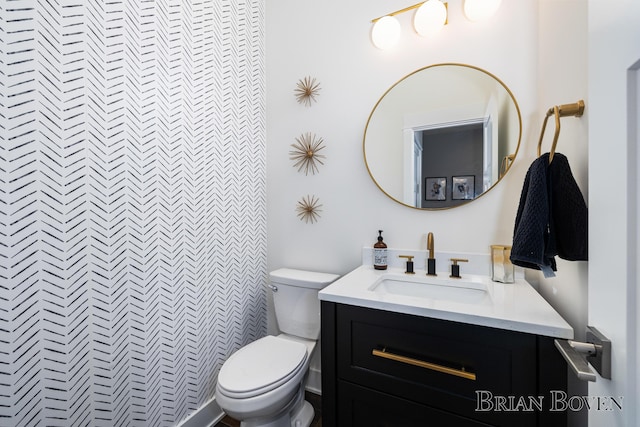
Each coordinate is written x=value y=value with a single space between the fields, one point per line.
x=437 y=363
x=360 y=406
x=441 y=367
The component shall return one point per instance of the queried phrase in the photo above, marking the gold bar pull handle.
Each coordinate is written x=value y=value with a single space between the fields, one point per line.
x=422 y=364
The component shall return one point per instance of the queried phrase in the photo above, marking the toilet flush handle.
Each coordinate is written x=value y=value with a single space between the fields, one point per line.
x=274 y=288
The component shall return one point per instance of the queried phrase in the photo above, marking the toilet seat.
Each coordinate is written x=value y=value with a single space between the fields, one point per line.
x=261 y=366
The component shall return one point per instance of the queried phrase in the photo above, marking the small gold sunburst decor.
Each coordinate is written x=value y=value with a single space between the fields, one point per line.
x=308 y=209
x=305 y=153
x=307 y=90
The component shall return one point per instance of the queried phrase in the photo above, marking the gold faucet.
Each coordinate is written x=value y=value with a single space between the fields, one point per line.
x=431 y=261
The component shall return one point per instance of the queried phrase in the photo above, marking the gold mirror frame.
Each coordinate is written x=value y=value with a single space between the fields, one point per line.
x=508 y=153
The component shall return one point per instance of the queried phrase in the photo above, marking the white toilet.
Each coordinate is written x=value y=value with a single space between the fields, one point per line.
x=262 y=384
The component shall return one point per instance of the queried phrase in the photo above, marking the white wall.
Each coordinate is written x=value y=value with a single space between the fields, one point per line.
x=562 y=66
x=330 y=41
x=537 y=48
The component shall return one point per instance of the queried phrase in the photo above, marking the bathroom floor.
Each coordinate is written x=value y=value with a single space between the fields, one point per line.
x=312 y=398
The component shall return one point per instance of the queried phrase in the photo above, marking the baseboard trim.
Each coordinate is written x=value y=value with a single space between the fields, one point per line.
x=208 y=415
x=314 y=381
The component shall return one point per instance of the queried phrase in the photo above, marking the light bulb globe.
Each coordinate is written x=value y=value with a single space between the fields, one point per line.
x=430 y=18
x=385 y=32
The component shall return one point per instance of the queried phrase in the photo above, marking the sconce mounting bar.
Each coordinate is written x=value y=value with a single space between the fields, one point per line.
x=406 y=9
x=398 y=12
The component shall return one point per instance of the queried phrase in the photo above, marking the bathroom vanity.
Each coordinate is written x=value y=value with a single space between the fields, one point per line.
x=405 y=350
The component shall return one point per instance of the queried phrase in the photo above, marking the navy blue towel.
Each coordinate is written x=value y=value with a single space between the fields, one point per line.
x=552 y=217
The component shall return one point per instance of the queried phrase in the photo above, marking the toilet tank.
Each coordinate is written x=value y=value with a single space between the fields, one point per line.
x=295 y=298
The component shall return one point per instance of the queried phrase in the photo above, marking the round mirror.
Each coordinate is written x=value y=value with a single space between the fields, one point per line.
x=442 y=136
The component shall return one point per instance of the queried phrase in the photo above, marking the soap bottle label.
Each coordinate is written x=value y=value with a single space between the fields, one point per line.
x=380 y=258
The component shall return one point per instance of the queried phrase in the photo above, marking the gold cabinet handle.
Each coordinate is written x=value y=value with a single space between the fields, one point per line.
x=422 y=364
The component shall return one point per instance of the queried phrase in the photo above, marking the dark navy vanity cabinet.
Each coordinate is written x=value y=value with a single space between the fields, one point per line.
x=382 y=368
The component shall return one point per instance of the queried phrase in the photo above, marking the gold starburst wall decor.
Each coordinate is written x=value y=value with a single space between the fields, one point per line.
x=305 y=153
x=307 y=90
x=308 y=209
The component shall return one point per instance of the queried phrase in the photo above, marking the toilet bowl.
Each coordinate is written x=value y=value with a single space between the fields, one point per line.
x=262 y=384
x=264 y=380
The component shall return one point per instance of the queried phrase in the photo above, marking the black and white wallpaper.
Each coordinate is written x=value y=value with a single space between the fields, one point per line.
x=132 y=205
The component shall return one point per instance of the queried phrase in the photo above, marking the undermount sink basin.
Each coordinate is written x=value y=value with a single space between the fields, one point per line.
x=473 y=299
x=433 y=288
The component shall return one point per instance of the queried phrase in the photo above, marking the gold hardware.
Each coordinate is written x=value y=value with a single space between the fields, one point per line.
x=422 y=364
x=573 y=109
x=406 y=9
x=431 y=261
x=430 y=245
x=455 y=269
x=507 y=161
x=576 y=109
x=409 y=259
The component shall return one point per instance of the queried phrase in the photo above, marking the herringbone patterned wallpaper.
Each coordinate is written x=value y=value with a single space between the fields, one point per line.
x=132 y=205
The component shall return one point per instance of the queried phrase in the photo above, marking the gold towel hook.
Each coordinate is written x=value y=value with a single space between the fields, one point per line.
x=576 y=109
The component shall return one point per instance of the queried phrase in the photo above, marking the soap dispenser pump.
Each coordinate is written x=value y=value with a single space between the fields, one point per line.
x=380 y=253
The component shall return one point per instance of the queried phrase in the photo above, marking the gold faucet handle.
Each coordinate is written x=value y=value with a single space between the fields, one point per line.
x=455 y=268
x=409 y=269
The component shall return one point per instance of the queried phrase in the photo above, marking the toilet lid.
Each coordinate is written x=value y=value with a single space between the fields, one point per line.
x=261 y=366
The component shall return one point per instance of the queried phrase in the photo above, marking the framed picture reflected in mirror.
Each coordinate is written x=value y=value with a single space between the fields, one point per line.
x=435 y=188
x=463 y=187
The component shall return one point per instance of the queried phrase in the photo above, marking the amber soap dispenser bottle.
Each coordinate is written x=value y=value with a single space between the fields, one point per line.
x=380 y=253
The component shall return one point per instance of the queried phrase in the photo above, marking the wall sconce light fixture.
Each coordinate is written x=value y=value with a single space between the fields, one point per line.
x=430 y=17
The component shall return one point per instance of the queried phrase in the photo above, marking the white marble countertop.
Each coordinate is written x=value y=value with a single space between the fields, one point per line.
x=511 y=306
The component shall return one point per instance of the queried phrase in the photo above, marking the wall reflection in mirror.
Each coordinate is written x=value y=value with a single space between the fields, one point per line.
x=442 y=136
